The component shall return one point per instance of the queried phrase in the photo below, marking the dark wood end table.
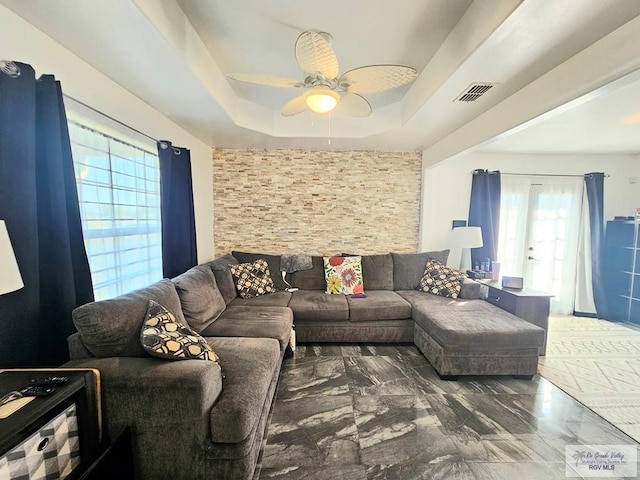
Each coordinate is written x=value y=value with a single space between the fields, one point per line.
x=529 y=304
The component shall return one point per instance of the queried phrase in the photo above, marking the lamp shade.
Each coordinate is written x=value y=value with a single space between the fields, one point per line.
x=467 y=237
x=321 y=100
x=10 y=279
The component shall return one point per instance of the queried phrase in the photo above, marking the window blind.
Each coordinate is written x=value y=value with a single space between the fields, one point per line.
x=119 y=194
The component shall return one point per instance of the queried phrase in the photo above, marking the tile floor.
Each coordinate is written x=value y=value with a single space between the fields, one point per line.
x=598 y=363
x=368 y=412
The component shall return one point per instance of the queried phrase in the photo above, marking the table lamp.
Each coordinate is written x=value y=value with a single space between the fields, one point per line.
x=467 y=238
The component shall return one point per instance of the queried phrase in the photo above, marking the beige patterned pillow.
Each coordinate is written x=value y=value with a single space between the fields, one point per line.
x=252 y=279
x=441 y=280
x=164 y=337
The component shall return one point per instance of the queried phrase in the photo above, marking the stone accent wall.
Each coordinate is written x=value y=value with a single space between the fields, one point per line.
x=318 y=202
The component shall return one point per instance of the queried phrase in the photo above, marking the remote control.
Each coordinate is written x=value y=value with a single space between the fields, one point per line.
x=48 y=381
x=36 y=391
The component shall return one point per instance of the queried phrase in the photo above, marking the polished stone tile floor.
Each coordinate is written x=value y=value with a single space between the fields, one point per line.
x=598 y=363
x=365 y=412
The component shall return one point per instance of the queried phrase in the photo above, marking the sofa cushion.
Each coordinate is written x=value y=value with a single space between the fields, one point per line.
x=471 y=325
x=244 y=321
x=408 y=268
x=224 y=279
x=163 y=337
x=377 y=271
x=275 y=299
x=252 y=279
x=200 y=298
x=343 y=275
x=318 y=306
x=111 y=328
x=378 y=305
x=312 y=279
x=441 y=280
x=249 y=365
x=272 y=260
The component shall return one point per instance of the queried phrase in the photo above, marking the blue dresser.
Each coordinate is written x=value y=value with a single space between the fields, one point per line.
x=622 y=271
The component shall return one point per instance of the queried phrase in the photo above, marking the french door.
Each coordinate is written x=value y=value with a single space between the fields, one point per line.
x=539 y=232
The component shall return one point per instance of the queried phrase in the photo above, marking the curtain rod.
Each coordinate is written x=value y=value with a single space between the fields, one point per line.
x=547 y=175
x=11 y=69
x=109 y=117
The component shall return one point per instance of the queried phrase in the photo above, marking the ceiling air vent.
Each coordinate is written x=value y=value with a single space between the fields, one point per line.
x=474 y=92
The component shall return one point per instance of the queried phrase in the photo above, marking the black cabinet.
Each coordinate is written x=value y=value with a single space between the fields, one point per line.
x=528 y=304
x=56 y=436
x=622 y=271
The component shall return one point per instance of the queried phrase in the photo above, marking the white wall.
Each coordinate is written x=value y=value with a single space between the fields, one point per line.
x=20 y=41
x=446 y=186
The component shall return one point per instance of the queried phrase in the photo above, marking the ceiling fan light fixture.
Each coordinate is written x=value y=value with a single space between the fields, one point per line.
x=321 y=100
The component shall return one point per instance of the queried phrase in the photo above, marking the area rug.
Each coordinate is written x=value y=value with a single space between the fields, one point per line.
x=598 y=363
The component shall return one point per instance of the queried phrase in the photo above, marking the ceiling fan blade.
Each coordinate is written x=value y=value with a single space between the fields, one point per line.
x=314 y=54
x=377 y=78
x=268 y=80
x=294 y=107
x=353 y=105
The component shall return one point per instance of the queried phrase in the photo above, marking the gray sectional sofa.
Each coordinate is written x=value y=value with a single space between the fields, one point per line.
x=191 y=420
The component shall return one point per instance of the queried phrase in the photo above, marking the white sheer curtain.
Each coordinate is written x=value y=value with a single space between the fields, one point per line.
x=584 y=303
x=514 y=209
x=539 y=229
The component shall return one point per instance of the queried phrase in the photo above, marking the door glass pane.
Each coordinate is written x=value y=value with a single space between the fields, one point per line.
x=538 y=234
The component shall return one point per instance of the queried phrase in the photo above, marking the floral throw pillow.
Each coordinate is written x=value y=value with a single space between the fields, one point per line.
x=343 y=275
x=252 y=279
x=441 y=280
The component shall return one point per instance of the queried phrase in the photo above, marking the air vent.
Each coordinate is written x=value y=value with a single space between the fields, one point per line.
x=474 y=92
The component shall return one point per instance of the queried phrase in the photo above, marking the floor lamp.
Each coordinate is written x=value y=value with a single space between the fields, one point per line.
x=467 y=238
x=10 y=279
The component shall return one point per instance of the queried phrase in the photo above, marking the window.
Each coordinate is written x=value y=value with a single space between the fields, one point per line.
x=119 y=194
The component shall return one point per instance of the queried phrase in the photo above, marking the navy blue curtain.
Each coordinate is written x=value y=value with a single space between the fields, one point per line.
x=594 y=183
x=484 y=212
x=176 y=210
x=39 y=202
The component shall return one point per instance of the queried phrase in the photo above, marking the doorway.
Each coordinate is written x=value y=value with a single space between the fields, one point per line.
x=539 y=233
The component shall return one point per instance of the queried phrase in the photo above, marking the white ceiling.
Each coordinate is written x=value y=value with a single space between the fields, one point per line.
x=263 y=40
x=175 y=54
x=604 y=121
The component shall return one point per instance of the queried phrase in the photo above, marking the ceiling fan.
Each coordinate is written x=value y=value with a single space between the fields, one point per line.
x=325 y=90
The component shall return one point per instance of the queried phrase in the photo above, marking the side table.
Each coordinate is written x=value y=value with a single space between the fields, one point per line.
x=529 y=304
x=58 y=434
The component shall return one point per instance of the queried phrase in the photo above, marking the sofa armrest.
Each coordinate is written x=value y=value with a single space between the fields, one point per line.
x=77 y=350
x=470 y=289
x=157 y=398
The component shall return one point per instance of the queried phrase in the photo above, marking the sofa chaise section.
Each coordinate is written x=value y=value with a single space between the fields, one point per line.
x=473 y=337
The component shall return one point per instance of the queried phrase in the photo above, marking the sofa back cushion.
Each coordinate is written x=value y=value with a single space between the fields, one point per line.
x=272 y=260
x=377 y=271
x=312 y=279
x=111 y=328
x=224 y=279
x=202 y=303
x=408 y=268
